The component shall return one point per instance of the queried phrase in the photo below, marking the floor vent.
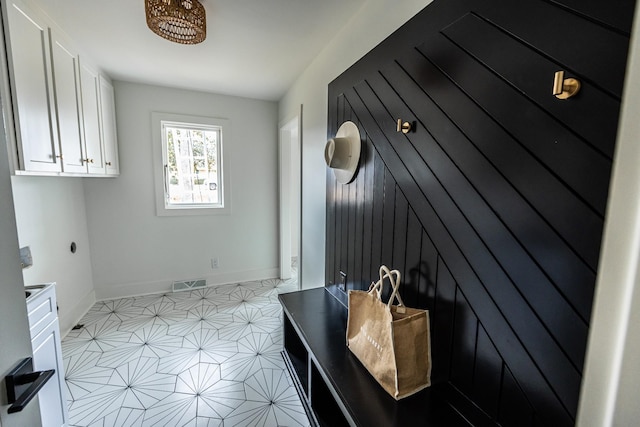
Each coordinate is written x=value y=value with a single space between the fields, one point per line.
x=188 y=285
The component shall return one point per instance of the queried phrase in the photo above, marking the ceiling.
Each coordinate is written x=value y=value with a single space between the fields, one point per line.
x=254 y=48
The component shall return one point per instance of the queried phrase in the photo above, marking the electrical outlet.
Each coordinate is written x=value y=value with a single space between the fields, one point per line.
x=214 y=263
x=343 y=281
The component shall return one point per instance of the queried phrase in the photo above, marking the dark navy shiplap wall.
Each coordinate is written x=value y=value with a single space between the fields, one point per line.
x=493 y=208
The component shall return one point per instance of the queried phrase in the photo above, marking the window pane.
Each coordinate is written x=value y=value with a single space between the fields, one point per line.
x=192 y=165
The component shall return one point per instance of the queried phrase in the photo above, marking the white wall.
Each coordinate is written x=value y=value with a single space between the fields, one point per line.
x=50 y=213
x=133 y=251
x=376 y=20
x=611 y=382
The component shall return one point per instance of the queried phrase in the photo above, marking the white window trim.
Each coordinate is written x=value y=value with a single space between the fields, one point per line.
x=158 y=164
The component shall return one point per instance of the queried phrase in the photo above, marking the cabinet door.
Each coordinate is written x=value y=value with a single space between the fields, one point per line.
x=47 y=355
x=30 y=73
x=109 y=135
x=90 y=90
x=66 y=83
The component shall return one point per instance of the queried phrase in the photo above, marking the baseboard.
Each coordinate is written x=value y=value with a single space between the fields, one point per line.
x=158 y=286
x=72 y=317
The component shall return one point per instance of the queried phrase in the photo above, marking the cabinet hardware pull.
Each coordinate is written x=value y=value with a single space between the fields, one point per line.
x=404 y=127
x=108 y=163
x=564 y=88
x=88 y=160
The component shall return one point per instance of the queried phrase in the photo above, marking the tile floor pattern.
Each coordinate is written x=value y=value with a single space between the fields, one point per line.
x=208 y=357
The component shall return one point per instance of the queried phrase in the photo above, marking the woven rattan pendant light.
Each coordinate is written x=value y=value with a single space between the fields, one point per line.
x=181 y=21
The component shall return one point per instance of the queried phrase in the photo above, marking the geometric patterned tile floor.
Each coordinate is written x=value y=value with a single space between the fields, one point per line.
x=208 y=357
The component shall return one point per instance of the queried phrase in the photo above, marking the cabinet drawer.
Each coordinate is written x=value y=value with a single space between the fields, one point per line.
x=42 y=310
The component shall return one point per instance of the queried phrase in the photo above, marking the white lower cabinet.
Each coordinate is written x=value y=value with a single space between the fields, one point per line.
x=47 y=353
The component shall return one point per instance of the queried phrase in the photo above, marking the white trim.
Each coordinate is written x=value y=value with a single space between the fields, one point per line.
x=285 y=197
x=123 y=290
x=611 y=371
x=290 y=131
x=6 y=106
x=224 y=159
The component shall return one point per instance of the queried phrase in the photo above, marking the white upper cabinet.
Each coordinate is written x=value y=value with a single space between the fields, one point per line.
x=109 y=135
x=67 y=96
x=32 y=91
x=63 y=108
x=90 y=83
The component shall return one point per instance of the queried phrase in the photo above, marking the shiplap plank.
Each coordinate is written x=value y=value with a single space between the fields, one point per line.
x=493 y=318
x=487 y=200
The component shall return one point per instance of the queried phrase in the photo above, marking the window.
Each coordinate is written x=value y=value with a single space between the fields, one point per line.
x=191 y=165
x=190 y=178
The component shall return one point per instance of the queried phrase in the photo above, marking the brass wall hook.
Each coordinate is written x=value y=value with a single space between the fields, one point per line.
x=564 y=88
x=404 y=127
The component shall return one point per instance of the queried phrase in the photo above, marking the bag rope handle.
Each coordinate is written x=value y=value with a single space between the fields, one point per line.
x=395 y=285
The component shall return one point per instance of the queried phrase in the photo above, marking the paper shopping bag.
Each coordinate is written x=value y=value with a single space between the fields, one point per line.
x=391 y=341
